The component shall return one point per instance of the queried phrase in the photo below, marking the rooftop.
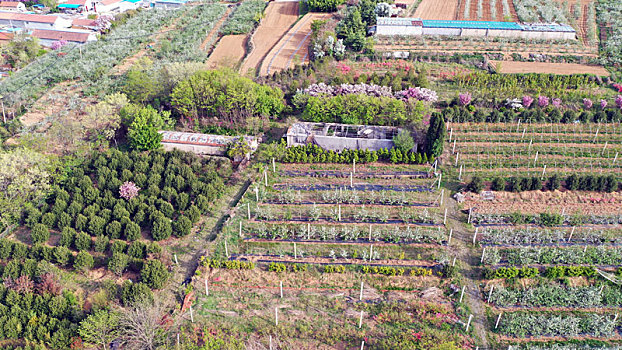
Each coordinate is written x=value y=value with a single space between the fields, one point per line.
x=471 y=24
x=27 y=17
x=10 y=4
x=76 y=37
x=200 y=139
x=397 y=21
x=547 y=27
x=84 y=22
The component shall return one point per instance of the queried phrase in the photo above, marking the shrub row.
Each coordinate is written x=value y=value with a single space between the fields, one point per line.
x=314 y=154
x=534 y=115
x=606 y=183
x=552 y=272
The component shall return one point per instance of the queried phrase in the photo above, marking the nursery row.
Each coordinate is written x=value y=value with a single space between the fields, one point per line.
x=538 y=132
x=304 y=267
x=524 y=324
x=536 y=235
x=360 y=214
x=545 y=219
x=556 y=295
x=552 y=272
x=512 y=112
x=345 y=196
x=608 y=183
x=396 y=234
x=314 y=154
x=604 y=256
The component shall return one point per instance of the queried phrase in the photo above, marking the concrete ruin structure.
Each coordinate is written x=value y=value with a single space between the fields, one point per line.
x=337 y=137
x=390 y=26
x=203 y=144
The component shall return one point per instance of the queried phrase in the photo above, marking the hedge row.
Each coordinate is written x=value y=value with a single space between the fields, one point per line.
x=532 y=272
x=606 y=183
x=537 y=115
x=314 y=154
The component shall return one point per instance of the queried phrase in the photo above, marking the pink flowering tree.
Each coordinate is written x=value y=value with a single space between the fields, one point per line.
x=527 y=101
x=556 y=102
x=103 y=22
x=57 y=45
x=465 y=98
x=128 y=190
x=619 y=101
x=417 y=93
x=603 y=104
x=587 y=103
x=543 y=101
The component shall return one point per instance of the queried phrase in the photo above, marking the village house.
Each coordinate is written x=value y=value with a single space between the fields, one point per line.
x=47 y=37
x=12 y=6
x=30 y=21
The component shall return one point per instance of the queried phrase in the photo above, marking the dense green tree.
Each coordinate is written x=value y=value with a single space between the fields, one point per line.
x=100 y=328
x=154 y=274
x=435 y=136
x=40 y=233
x=118 y=262
x=83 y=261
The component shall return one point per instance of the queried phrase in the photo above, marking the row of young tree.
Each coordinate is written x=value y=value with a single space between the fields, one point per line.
x=461 y=114
x=606 y=183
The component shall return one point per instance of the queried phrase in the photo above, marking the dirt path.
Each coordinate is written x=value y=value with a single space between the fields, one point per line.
x=279 y=17
x=469 y=261
x=214 y=32
x=292 y=48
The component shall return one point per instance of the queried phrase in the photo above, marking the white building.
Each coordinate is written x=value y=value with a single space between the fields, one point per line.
x=115 y=6
x=30 y=21
x=416 y=27
x=47 y=37
x=12 y=6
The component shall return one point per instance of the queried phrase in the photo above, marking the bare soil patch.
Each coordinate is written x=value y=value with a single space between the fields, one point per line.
x=292 y=48
x=279 y=17
x=550 y=68
x=435 y=9
x=228 y=52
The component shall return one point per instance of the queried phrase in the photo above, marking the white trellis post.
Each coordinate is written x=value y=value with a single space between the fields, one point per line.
x=475 y=235
x=451 y=131
x=295 y=253
x=571 y=232
x=354 y=166
x=361 y=320
x=453 y=150
x=457 y=156
x=226 y=250
x=370 y=232
x=442 y=193
x=240 y=230
x=177 y=340
x=351 y=180
x=440 y=179
x=483 y=252
x=454 y=262
x=535 y=159
x=445 y=217
x=615 y=158
x=281 y=287
x=257 y=194
x=176 y=262
x=371 y=248
x=543 y=170
x=460 y=173
x=273 y=166
x=450 y=234
x=249 y=210
x=339 y=213
x=498 y=319
x=605 y=146
x=191 y=315
x=462 y=293
x=469 y=218
x=270 y=342
x=206 y=288
x=361 y=295
x=469 y=322
x=492 y=287
x=265 y=177
x=362 y=344
x=276 y=316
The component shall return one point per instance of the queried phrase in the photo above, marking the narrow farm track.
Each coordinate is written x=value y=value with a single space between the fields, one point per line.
x=279 y=17
x=294 y=44
x=468 y=258
x=214 y=32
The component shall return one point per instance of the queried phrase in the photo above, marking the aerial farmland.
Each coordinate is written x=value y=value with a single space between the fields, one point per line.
x=315 y=174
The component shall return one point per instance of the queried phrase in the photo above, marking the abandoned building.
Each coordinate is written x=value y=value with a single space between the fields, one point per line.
x=337 y=137
x=203 y=144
